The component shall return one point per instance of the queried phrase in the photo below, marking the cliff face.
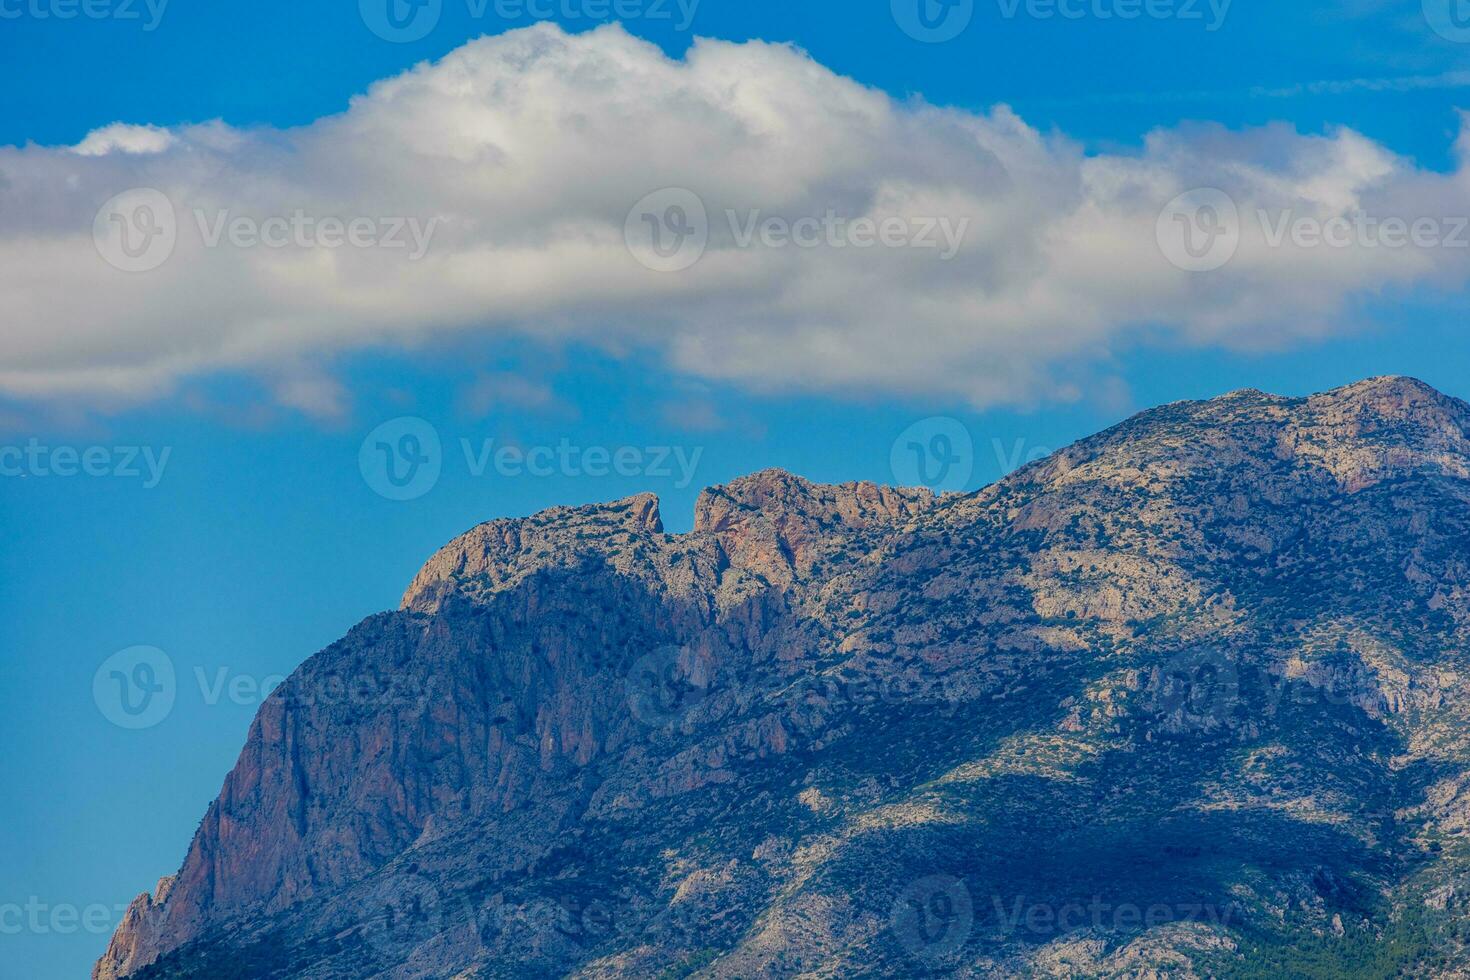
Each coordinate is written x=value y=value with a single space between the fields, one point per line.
x=1205 y=667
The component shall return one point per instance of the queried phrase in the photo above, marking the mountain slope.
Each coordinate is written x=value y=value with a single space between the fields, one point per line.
x=1184 y=697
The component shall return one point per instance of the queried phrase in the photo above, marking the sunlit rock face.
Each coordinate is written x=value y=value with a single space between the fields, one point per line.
x=1187 y=698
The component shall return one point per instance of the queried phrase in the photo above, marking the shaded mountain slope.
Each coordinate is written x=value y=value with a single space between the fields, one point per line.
x=1186 y=697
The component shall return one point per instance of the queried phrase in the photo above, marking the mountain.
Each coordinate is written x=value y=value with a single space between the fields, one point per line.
x=1187 y=698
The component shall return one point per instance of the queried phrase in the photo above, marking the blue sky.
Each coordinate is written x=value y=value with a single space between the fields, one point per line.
x=265 y=537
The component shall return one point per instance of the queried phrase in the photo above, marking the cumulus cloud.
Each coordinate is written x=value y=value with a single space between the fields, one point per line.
x=123 y=138
x=491 y=192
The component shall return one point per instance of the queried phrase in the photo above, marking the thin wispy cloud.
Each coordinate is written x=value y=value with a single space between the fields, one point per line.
x=1352 y=86
x=1442 y=81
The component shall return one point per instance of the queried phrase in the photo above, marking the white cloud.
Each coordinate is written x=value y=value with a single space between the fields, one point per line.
x=321 y=398
x=519 y=157
x=123 y=138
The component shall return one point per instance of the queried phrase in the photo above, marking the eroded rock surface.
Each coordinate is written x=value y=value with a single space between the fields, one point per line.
x=1185 y=698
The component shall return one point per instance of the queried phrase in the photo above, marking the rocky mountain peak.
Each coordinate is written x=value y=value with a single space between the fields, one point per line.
x=1393 y=400
x=1396 y=385
x=783 y=497
x=497 y=554
x=1210 y=658
x=775 y=524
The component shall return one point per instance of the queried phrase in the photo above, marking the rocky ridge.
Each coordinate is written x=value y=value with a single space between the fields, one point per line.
x=1185 y=697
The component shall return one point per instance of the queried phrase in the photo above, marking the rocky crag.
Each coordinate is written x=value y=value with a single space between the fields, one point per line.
x=1188 y=698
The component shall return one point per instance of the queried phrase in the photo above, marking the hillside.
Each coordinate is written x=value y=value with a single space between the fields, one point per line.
x=1187 y=698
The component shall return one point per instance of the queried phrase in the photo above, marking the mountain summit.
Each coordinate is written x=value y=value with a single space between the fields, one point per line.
x=1187 y=698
